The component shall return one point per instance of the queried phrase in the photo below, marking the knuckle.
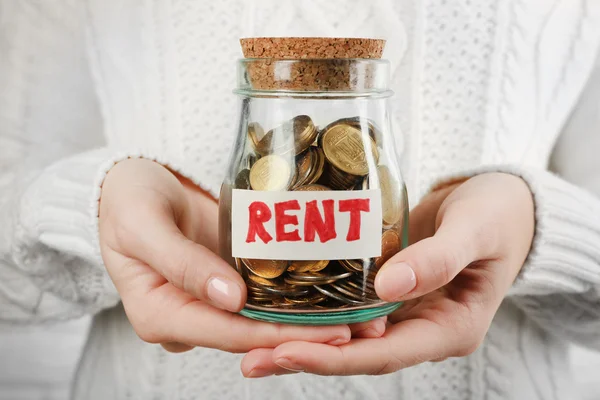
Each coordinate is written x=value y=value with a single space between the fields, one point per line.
x=183 y=274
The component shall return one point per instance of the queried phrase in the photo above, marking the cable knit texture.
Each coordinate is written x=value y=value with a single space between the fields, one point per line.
x=485 y=85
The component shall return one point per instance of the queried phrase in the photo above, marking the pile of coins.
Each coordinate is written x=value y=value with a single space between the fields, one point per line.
x=298 y=156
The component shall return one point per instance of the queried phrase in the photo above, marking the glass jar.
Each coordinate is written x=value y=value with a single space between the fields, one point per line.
x=313 y=202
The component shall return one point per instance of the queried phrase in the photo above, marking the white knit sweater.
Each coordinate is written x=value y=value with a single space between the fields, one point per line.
x=478 y=83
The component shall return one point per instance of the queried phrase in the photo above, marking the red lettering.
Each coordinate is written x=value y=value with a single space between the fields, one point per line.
x=354 y=207
x=282 y=219
x=259 y=213
x=313 y=223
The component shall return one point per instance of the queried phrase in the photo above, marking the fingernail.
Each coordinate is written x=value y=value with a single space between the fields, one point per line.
x=258 y=373
x=286 y=363
x=395 y=281
x=224 y=293
x=338 y=341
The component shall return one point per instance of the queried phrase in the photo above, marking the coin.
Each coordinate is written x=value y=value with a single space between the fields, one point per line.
x=255 y=134
x=270 y=173
x=306 y=301
x=344 y=149
x=239 y=267
x=304 y=168
x=312 y=188
x=318 y=276
x=390 y=246
x=307 y=266
x=350 y=292
x=305 y=132
x=359 y=286
x=352 y=265
x=242 y=181
x=287 y=290
x=329 y=292
x=359 y=123
x=262 y=281
x=339 y=180
x=296 y=282
x=391 y=196
x=268 y=269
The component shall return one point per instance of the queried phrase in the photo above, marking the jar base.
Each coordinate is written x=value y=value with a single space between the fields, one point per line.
x=330 y=318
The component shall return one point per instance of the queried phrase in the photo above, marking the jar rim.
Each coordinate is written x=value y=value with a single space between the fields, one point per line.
x=345 y=77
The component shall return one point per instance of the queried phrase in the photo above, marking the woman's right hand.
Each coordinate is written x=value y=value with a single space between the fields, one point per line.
x=158 y=237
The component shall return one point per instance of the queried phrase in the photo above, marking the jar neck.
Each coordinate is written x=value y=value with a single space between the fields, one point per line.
x=336 y=78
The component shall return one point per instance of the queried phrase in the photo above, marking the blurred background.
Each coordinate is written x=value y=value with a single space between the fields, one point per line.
x=37 y=363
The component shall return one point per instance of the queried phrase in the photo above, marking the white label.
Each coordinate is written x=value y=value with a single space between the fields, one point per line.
x=327 y=225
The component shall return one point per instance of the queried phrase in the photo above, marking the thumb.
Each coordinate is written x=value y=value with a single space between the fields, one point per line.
x=432 y=262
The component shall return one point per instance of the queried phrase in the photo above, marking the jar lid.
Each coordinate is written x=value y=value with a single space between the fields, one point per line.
x=312 y=64
x=294 y=48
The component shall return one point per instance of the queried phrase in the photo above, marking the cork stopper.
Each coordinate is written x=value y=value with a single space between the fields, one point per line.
x=312 y=48
x=311 y=64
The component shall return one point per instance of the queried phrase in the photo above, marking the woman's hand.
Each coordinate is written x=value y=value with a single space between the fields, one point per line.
x=158 y=236
x=470 y=241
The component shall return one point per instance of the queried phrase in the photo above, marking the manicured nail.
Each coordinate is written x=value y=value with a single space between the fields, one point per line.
x=338 y=341
x=286 y=363
x=395 y=281
x=258 y=373
x=224 y=293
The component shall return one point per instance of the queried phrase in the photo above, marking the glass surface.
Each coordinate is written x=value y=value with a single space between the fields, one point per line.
x=327 y=139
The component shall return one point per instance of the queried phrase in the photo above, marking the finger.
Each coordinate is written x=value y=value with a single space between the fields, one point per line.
x=406 y=344
x=433 y=262
x=166 y=314
x=152 y=236
x=259 y=362
x=260 y=365
x=371 y=329
x=174 y=347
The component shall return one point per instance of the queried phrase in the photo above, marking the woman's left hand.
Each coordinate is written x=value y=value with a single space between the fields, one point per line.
x=470 y=242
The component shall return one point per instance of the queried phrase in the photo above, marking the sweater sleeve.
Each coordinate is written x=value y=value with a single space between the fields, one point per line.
x=49 y=175
x=559 y=285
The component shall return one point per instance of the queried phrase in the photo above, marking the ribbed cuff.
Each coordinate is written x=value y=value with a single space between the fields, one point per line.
x=66 y=199
x=565 y=253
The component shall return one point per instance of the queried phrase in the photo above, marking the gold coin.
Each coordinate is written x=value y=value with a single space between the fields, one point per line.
x=352 y=265
x=359 y=123
x=318 y=166
x=344 y=148
x=391 y=196
x=339 y=180
x=242 y=181
x=304 y=167
x=306 y=301
x=270 y=173
x=255 y=133
x=308 y=266
x=268 y=269
x=262 y=281
x=390 y=246
x=305 y=132
x=312 y=188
